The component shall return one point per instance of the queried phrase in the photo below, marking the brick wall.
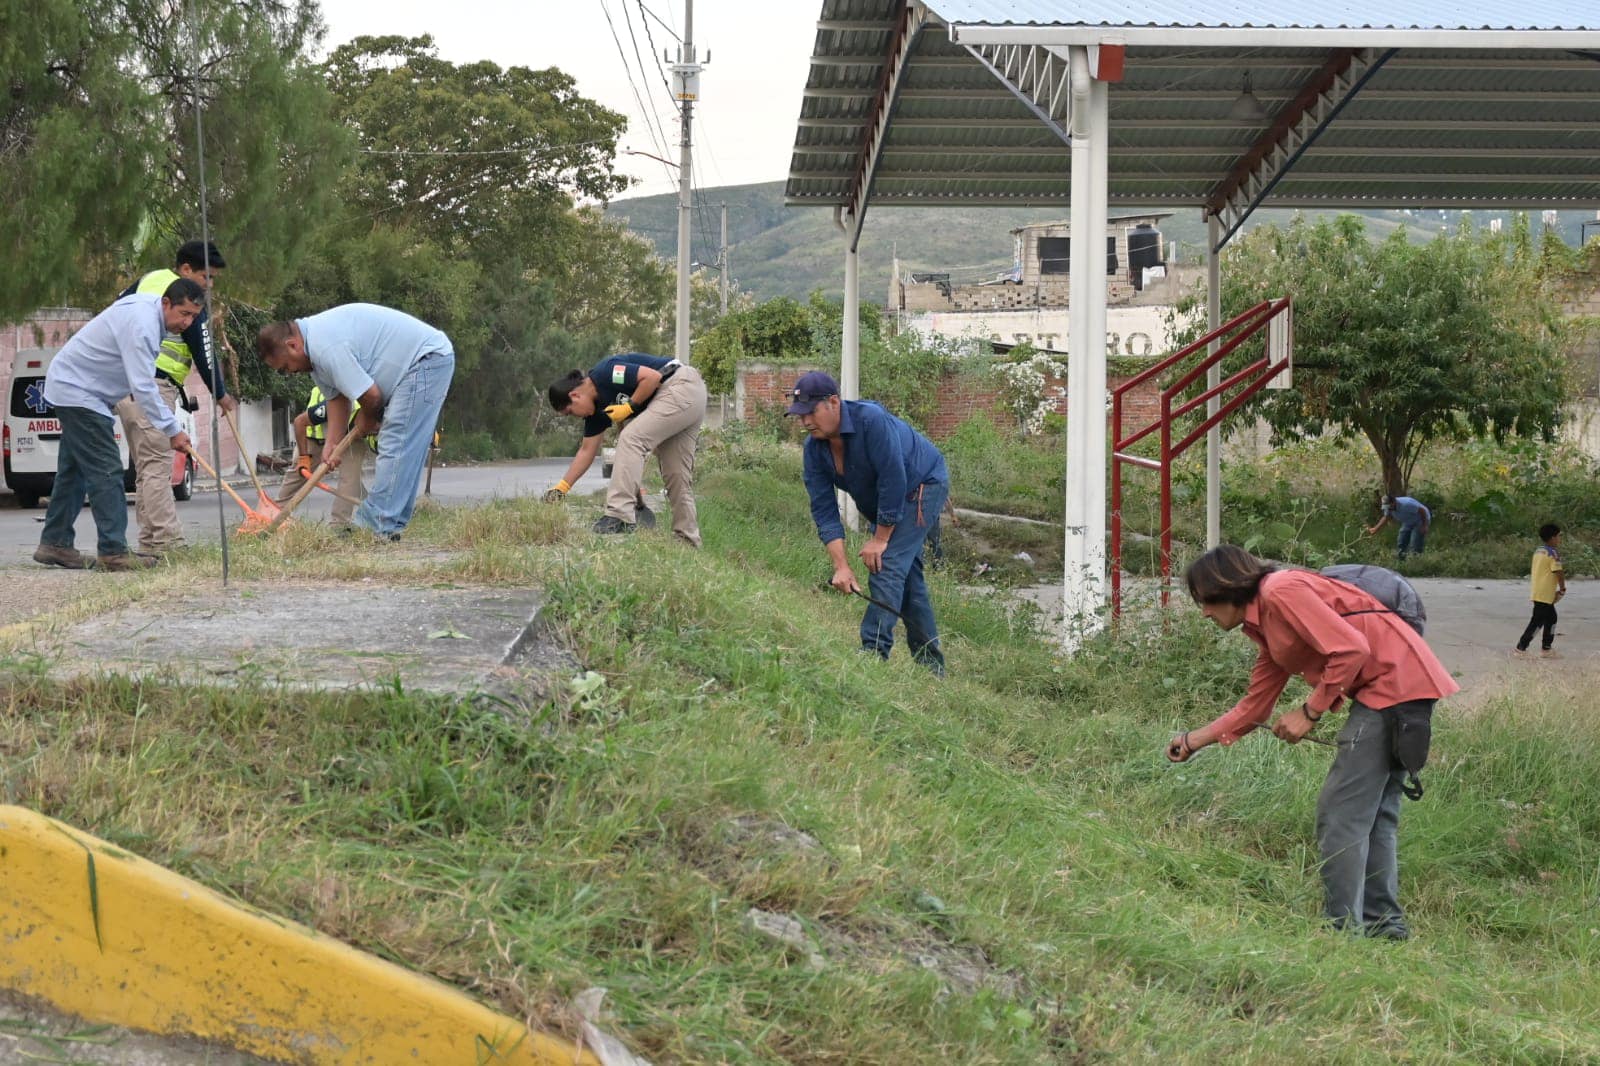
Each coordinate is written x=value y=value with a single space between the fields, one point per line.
x=761 y=386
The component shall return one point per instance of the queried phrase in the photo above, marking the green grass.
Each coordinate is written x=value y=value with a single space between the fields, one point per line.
x=998 y=868
x=1307 y=503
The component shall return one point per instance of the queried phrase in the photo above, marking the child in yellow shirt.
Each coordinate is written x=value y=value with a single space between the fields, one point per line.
x=1549 y=585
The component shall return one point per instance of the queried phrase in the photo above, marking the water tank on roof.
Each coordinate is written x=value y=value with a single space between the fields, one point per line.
x=1144 y=250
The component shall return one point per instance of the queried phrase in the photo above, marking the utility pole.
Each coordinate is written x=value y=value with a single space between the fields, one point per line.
x=722 y=260
x=686 y=87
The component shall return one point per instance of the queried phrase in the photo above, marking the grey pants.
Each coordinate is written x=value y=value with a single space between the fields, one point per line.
x=1358 y=822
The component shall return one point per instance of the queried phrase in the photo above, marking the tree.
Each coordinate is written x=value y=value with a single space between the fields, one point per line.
x=479 y=165
x=1404 y=343
x=478 y=158
x=97 y=152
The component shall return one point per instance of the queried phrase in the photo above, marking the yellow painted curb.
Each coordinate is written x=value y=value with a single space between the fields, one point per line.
x=103 y=934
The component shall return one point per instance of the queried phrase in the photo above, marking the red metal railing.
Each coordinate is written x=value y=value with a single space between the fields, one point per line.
x=1253 y=378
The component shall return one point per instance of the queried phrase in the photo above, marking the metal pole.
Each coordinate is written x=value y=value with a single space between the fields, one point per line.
x=1083 y=579
x=722 y=259
x=205 y=244
x=1213 y=379
x=686 y=75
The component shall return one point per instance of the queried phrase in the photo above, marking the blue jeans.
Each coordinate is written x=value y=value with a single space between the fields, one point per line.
x=1358 y=827
x=87 y=463
x=1409 y=542
x=900 y=582
x=409 y=418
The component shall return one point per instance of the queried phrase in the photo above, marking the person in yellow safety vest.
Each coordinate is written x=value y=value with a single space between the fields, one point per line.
x=150 y=449
x=310 y=433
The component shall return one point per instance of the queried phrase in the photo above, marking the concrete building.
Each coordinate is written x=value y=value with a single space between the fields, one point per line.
x=1028 y=303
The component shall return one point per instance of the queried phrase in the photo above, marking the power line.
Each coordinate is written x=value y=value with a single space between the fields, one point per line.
x=656 y=54
x=628 y=72
x=644 y=74
x=664 y=26
x=531 y=153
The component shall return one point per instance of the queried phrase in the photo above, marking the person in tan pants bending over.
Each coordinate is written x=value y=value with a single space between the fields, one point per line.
x=660 y=404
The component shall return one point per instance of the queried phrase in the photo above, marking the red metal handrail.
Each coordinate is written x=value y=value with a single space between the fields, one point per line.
x=1253 y=377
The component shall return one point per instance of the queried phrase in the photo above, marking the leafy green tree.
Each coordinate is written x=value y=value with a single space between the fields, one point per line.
x=480 y=166
x=478 y=158
x=1403 y=343
x=604 y=279
x=97 y=152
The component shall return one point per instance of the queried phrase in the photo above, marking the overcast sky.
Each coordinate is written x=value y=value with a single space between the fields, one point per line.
x=750 y=92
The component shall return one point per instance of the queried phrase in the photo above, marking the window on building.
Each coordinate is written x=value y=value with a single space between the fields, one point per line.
x=1054 y=254
x=1111 y=255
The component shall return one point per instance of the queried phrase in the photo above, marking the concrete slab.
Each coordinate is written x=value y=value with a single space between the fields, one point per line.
x=432 y=639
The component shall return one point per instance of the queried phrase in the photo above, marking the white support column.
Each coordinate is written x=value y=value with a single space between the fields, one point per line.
x=1083 y=591
x=1213 y=379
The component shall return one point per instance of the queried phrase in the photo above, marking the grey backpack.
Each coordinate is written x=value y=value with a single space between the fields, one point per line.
x=1387 y=587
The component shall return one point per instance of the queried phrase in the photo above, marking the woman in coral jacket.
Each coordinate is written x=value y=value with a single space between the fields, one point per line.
x=1361 y=659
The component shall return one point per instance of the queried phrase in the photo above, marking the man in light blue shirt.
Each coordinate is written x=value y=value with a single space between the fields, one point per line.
x=1413 y=518
x=110 y=358
x=398 y=368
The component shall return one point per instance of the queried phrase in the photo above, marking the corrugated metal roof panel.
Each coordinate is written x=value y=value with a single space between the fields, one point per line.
x=1458 y=126
x=1369 y=14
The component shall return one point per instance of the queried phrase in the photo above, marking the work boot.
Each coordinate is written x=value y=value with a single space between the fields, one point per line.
x=612 y=524
x=59 y=555
x=126 y=561
x=645 y=517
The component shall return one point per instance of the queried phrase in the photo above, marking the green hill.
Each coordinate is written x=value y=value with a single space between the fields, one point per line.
x=791 y=251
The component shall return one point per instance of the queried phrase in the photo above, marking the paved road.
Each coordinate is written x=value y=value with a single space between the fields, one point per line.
x=19 y=529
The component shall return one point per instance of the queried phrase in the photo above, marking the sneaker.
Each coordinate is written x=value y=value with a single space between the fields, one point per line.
x=1519 y=653
x=612 y=524
x=645 y=517
x=1388 y=932
x=57 y=555
x=1549 y=653
x=125 y=561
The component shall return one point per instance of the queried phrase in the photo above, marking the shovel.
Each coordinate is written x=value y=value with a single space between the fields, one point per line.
x=254 y=520
x=268 y=505
x=316 y=475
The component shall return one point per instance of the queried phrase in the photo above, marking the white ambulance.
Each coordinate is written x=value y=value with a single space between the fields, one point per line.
x=32 y=435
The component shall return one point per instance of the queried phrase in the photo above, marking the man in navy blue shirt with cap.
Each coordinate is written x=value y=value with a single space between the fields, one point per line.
x=898 y=479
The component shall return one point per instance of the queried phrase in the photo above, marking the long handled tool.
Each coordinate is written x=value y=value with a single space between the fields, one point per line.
x=828 y=584
x=268 y=504
x=316 y=475
x=254 y=520
x=325 y=487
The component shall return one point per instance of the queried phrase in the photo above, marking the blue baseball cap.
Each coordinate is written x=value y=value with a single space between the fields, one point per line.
x=810 y=390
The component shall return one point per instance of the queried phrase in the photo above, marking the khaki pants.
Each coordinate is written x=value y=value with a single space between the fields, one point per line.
x=669 y=426
x=349 y=483
x=151 y=453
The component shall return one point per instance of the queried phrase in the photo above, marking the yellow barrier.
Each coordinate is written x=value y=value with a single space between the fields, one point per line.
x=103 y=934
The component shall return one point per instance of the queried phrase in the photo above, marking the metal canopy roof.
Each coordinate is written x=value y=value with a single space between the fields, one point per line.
x=1367 y=104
